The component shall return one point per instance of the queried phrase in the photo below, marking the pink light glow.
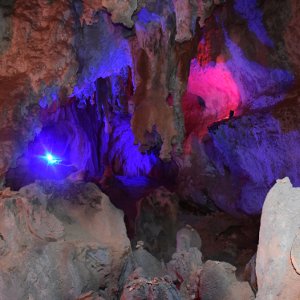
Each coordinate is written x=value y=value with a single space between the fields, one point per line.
x=216 y=86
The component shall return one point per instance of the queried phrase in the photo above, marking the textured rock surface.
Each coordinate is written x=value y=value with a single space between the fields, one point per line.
x=291 y=35
x=187 y=238
x=60 y=240
x=277 y=278
x=255 y=157
x=32 y=25
x=142 y=288
x=123 y=85
x=218 y=281
x=51 y=50
x=250 y=273
x=209 y=280
x=186 y=262
x=295 y=254
x=121 y=11
x=153 y=228
x=244 y=67
x=37 y=60
x=186 y=14
x=90 y=296
x=36 y=54
x=225 y=238
x=144 y=277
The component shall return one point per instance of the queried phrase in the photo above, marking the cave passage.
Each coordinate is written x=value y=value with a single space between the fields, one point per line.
x=149 y=150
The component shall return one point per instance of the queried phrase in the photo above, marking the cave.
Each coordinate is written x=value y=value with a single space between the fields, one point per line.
x=149 y=150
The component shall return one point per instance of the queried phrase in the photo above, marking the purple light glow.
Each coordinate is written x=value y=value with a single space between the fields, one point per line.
x=109 y=55
x=50 y=155
x=146 y=17
x=260 y=153
x=248 y=9
x=259 y=86
x=125 y=154
x=50 y=94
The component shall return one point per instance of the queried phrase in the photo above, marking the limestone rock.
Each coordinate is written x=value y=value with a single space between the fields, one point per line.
x=187 y=238
x=90 y=296
x=144 y=277
x=156 y=288
x=59 y=240
x=37 y=60
x=121 y=11
x=295 y=253
x=218 y=281
x=245 y=50
x=186 y=14
x=276 y=263
x=152 y=227
x=150 y=265
x=186 y=262
x=250 y=273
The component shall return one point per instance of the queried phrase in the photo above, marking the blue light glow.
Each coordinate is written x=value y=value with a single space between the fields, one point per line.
x=145 y=16
x=51 y=159
x=126 y=154
x=260 y=81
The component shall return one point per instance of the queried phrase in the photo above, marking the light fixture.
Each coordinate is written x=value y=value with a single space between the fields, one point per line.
x=51 y=159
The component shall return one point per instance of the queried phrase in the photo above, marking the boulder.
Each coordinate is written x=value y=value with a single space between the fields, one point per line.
x=60 y=240
x=186 y=262
x=157 y=223
x=218 y=281
x=144 y=277
x=156 y=288
x=277 y=254
x=187 y=238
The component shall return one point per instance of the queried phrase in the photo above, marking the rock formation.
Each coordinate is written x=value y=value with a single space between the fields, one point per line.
x=71 y=46
x=60 y=240
x=278 y=249
x=217 y=281
x=152 y=227
x=184 y=112
x=167 y=77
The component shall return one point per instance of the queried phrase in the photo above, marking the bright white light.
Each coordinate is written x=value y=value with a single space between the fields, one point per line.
x=52 y=160
x=49 y=157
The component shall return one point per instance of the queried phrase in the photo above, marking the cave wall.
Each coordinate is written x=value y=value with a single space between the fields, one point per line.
x=212 y=86
x=54 y=50
x=241 y=106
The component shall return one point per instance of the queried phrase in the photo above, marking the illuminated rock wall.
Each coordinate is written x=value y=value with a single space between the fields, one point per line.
x=150 y=78
x=53 y=50
x=242 y=86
